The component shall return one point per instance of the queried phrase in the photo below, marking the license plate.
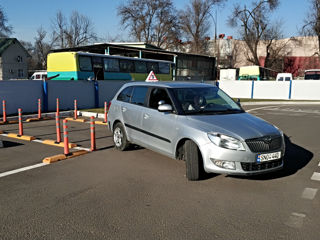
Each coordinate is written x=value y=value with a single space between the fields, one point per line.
x=268 y=156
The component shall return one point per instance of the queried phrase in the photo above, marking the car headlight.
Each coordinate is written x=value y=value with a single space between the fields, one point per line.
x=226 y=142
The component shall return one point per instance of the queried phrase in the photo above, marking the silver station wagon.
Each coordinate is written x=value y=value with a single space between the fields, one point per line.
x=197 y=123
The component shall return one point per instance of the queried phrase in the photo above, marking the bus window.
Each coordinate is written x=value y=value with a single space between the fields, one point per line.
x=164 y=68
x=153 y=66
x=111 y=65
x=141 y=67
x=126 y=65
x=85 y=64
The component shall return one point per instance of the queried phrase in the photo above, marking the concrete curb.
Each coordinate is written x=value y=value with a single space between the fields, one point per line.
x=22 y=137
x=279 y=103
x=88 y=114
x=60 y=157
x=76 y=120
x=61 y=144
x=44 y=116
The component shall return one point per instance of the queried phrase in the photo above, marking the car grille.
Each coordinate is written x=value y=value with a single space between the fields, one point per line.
x=264 y=144
x=261 y=166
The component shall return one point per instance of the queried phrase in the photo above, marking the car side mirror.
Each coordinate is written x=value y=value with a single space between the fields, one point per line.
x=165 y=108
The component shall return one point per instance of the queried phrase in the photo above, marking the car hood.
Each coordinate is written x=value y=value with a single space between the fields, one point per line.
x=241 y=125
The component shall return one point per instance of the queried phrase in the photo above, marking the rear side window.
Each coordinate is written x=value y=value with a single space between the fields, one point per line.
x=139 y=95
x=125 y=95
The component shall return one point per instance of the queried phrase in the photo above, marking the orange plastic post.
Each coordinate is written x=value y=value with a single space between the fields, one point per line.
x=65 y=137
x=105 y=111
x=75 y=109
x=39 y=108
x=93 y=134
x=58 y=128
x=20 y=122
x=4 y=111
x=57 y=106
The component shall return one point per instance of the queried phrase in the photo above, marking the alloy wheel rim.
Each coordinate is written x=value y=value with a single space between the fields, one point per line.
x=117 y=137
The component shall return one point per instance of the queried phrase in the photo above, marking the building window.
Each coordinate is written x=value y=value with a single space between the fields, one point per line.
x=19 y=59
x=20 y=73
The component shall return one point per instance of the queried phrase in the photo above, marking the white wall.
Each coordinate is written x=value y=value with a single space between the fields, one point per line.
x=271 y=90
x=237 y=89
x=300 y=89
x=20 y=94
x=68 y=91
x=306 y=90
x=107 y=89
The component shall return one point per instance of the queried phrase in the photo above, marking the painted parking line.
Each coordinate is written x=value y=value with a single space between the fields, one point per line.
x=253 y=109
x=309 y=193
x=296 y=220
x=315 y=176
x=4 y=174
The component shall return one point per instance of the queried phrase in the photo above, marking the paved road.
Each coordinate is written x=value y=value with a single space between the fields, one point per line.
x=139 y=194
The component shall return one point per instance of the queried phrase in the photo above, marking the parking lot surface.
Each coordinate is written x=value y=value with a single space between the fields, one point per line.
x=139 y=194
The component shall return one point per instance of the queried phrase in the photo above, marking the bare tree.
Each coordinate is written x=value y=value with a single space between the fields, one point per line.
x=255 y=28
x=59 y=24
x=41 y=48
x=5 y=29
x=151 y=21
x=311 y=25
x=77 y=31
x=195 y=23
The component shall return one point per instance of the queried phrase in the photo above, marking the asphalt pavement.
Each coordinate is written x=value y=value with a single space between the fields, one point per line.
x=140 y=194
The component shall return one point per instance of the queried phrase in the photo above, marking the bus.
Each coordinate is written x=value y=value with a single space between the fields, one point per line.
x=91 y=66
x=256 y=73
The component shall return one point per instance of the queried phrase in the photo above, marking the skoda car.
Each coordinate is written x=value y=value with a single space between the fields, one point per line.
x=197 y=123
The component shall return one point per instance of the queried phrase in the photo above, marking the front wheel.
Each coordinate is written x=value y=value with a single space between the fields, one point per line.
x=120 y=137
x=194 y=164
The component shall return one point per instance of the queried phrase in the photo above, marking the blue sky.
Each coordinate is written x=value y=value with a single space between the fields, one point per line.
x=26 y=16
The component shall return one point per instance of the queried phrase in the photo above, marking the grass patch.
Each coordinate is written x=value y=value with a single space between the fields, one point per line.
x=95 y=110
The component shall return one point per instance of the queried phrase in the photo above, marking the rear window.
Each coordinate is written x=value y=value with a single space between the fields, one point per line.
x=125 y=95
x=139 y=95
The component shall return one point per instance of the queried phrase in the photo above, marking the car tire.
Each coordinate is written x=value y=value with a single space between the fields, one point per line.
x=119 y=137
x=193 y=159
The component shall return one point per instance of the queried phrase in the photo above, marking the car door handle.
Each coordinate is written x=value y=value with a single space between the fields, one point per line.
x=146 y=116
x=123 y=109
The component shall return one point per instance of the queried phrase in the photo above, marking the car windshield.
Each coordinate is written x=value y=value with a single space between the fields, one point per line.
x=205 y=100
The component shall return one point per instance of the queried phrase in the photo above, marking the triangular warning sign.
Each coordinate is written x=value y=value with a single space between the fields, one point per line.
x=152 y=77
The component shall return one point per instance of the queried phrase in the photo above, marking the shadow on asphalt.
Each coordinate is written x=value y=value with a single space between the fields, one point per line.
x=6 y=144
x=296 y=158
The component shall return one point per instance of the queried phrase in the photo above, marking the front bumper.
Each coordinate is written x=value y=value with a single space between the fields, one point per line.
x=245 y=161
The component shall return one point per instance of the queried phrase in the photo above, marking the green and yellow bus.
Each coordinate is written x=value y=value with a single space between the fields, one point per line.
x=256 y=73
x=91 y=66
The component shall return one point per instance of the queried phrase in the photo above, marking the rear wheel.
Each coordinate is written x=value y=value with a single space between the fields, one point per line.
x=194 y=163
x=120 y=137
